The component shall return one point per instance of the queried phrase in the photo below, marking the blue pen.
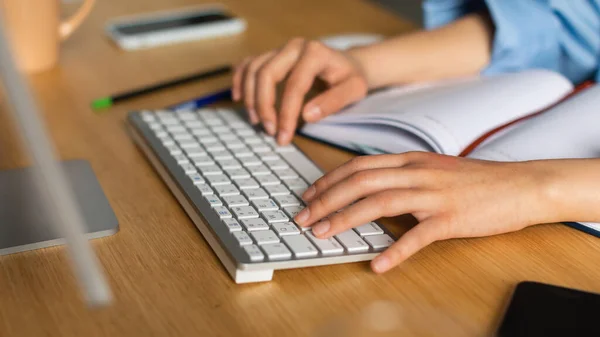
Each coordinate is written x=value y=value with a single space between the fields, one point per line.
x=202 y=101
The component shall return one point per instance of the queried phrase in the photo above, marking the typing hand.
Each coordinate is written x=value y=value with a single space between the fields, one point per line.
x=299 y=62
x=450 y=197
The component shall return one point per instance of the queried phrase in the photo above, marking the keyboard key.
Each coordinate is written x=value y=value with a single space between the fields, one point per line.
x=326 y=246
x=189 y=168
x=223 y=212
x=352 y=242
x=196 y=178
x=265 y=205
x=222 y=154
x=207 y=140
x=286 y=228
x=253 y=140
x=251 y=160
x=181 y=159
x=213 y=200
x=368 y=229
x=245 y=132
x=195 y=152
x=235 y=200
x=286 y=174
x=233 y=225
x=210 y=170
x=300 y=246
x=244 y=212
x=258 y=148
x=298 y=192
x=233 y=144
x=269 y=156
x=276 y=190
x=181 y=136
x=193 y=124
x=242 y=238
x=187 y=116
x=203 y=161
x=227 y=138
x=292 y=211
x=205 y=190
x=267 y=180
x=254 y=253
x=201 y=132
x=174 y=149
x=274 y=216
x=218 y=179
x=264 y=237
x=237 y=173
x=380 y=241
x=246 y=184
x=255 y=194
x=258 y=170
x=296 y=183
x=188 y=144
x=276 y=251
x=225 y=190
x=216 y=147
x=242 y=153
x=256 y=224
x=277 y=165
x=167 y=141
x=285 y=148
x=220 y=129
x=287 y=200
x=230 y=164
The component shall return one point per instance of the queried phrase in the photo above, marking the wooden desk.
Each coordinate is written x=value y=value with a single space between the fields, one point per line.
x=168 y=282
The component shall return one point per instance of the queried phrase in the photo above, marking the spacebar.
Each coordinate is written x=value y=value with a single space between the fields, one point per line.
x=306 y=168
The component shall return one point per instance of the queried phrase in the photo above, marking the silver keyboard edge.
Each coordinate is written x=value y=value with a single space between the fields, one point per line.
x=152 y=148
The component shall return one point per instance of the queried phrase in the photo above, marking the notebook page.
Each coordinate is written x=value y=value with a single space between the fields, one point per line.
x=569 y=130
x=450 y=115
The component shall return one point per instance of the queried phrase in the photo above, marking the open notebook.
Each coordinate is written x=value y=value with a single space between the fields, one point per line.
x=449 y=117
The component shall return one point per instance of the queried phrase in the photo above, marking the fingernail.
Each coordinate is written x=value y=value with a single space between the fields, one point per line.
x=313 y=113
x=302 y=216
x=321 y=227
x=309 y=193
x=283 y=137
x=380 y=264
x=252 y=116
x=269 y=127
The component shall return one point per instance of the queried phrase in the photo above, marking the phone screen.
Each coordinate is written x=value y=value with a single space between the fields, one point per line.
x=539 y=309
x=174 y=22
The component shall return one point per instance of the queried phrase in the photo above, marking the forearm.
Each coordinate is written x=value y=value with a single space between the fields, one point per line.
x=572 y=190
x=458 y=49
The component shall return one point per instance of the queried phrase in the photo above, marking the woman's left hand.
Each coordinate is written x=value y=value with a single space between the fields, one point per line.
x=450 y=197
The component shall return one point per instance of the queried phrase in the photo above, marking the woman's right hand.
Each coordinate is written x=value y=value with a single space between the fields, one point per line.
x=299 y=62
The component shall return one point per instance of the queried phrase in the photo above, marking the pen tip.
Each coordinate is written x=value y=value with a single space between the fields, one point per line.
x=101 y=103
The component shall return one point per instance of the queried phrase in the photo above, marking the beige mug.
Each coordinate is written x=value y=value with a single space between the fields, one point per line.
x=35 y=30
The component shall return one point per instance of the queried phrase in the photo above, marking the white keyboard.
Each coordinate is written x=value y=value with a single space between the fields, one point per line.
x=242 y=191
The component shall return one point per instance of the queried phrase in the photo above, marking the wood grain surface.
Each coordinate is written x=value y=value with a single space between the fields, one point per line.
x=166 y=279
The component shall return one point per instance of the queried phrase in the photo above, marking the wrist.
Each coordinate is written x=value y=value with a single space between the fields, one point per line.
x=361 y=56
x=569 y=189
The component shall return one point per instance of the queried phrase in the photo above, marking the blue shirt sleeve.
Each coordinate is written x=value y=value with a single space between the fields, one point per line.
x=560 y=35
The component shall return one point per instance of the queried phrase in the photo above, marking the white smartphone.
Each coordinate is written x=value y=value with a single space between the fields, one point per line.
x=186 y=24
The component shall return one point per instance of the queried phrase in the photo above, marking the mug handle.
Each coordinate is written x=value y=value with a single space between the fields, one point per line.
x=68 y=26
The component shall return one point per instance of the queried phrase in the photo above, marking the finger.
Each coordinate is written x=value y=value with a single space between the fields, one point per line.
x=271 y=73
x=250 y=81
x=411 y=242
x=310 y=65
x=383 y=204
x=331 y=101
x=357 y=186
x=237 y=79
x=358 y=164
